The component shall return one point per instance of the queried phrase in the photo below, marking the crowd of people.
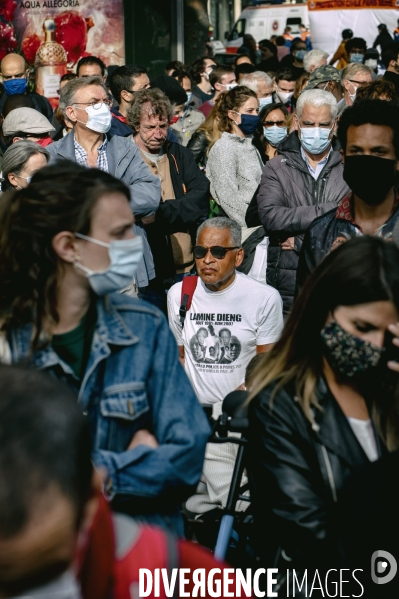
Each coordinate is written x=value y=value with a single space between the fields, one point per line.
x=164 y=242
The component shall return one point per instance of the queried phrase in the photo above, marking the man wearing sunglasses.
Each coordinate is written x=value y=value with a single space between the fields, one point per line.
x=232 y=317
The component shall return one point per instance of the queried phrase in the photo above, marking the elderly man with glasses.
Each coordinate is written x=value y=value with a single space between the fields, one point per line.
x=86 y=104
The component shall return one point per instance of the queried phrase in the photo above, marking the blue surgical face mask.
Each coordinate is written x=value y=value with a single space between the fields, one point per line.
x=15 y=86
x=265 y=101
x=275 y=134
x=300 y=54
x=124 y=254
x=356 y=57
x=249 y=123
x=189 y=97
x=315 y=139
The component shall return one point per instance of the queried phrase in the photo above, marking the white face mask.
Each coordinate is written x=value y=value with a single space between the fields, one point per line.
x=125 y=256
x=372 y=63
x=265 y=101
x=100 y=117
x=352 y=96
x=229 y=86
x=284 y=96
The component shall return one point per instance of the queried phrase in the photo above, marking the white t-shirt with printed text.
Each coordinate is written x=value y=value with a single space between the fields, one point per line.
x=221 y=332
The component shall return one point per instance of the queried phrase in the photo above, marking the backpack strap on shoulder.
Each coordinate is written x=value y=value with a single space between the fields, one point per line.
x=187 y=291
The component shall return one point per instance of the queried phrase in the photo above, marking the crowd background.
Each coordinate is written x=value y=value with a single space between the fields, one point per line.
x=164 y=243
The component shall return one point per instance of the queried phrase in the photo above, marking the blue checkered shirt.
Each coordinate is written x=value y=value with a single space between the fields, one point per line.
x=81 y=155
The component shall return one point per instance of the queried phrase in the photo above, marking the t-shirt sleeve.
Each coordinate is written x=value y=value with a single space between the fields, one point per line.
x=270 y=319
x=174 y=295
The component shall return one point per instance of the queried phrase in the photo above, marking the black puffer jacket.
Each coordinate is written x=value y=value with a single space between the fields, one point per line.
x=295 y=471
x=289 y=200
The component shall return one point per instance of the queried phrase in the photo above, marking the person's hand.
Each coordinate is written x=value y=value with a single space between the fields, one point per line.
x=143 y=437
x=394 y=329
x=288 y=244
x=148 y=220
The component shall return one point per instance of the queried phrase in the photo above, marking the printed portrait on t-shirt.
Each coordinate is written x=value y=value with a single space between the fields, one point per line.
x=210 y=348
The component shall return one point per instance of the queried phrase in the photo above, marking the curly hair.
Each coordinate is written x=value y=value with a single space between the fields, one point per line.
x=157 y=104
x=59 y=198
x=379 y=89
x=231 y=100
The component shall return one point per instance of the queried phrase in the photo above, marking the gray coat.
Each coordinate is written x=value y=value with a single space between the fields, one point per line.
x=289 y=200
x=124 y=163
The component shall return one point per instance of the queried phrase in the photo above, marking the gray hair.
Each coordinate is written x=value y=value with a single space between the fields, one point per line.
x=18 y=154
x=317 y=98
x=251 y=80
x=68 y=92
x=314 y=58
x=221 y=223
x=352 y=69
x=159 y=105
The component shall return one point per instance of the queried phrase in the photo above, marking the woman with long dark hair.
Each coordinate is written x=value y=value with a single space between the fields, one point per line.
x=271 y=131
x=322 y=401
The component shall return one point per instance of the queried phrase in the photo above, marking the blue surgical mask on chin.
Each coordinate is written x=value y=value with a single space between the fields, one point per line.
x=315 y=139
x=15 y=86
x=275 y=134
x=265 y=101
x=189 y=97
x=300 y=55
x=125 y=256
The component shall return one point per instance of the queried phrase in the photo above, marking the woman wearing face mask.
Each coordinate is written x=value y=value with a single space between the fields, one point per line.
x=66 y=248
x=322 y=402
x=20 y=163
x=234 y=165
x=271 y=131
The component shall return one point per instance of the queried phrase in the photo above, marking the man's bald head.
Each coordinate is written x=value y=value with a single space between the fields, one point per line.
x=13 y=65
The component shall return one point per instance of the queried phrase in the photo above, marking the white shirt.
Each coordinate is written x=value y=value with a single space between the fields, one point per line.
x=221 y=332
x=364 y=433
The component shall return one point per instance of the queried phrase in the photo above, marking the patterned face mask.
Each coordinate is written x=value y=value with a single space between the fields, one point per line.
x=347 y=354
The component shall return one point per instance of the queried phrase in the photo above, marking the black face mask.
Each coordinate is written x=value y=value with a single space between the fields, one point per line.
x=370 y=177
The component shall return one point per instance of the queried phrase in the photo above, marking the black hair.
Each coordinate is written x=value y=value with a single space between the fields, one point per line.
x=121 y=79
x=218 y=72
x=198 y=67
x=295 y=44
x=176 y=65
x=44 y=442
x=375 y=112
x=280 y=40
x=355 y=42
x=259 y=140
x=68 y=77
x=285 y=74
x=17 y=101
x=180 y=74
x=347 y=34
x=244 y=69
x=269 y=45
x=390 y=52
x=91 y=60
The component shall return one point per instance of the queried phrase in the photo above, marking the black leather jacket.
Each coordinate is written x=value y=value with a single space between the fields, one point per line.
x=296 y=470
x=198 y=144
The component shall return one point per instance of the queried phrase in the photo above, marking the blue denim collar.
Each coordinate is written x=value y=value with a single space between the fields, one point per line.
x=111 y=329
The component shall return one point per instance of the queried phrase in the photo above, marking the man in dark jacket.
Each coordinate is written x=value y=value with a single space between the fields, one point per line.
x=390 y=58
x=125 y=82
x=184 y=193
x=369 y=134
x=15 y=80
x=300 y=184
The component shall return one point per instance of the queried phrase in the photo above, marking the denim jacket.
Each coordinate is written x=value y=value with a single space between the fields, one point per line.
x=134 y=381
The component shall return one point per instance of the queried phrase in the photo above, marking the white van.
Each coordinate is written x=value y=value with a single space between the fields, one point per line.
x=266 y=20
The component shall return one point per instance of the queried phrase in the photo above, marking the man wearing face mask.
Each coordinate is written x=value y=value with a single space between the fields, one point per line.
x=222 y=79
x=15 y=80
x=86 y=104
x=304 y=181
x=356 y=49
x=390 y=58
x=29 y=124
x=200 y=72
x=294 y=60
x=353 y=76
x=262 y=85
x=284 y=88
x=329 y=79
x=369 y=135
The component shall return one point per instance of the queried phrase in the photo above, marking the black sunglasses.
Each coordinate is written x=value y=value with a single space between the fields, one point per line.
x=217 y=251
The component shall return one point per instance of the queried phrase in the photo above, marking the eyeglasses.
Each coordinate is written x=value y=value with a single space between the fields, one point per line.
x=272 y=123
x=217 y=251
x=96 y=104
x=358 y=82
